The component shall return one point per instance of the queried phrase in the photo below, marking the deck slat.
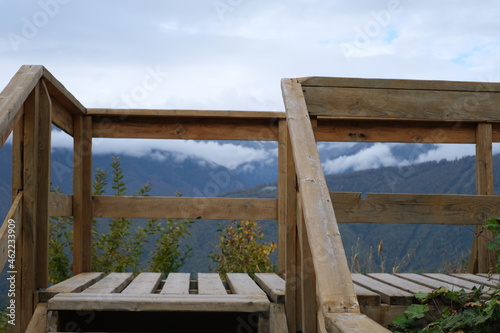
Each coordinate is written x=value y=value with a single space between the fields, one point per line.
x=76 y=283
x=453 y=280
x=366 y=296
x=176 y=283
x=113 y=283
x=477 y=279
x=273 y=285
x=242 y=283
x=429 y=282
x=210 y=284
x=400 y=283
x=158 y=302
x=494 y=276
x=388 y=294
x=144 y=283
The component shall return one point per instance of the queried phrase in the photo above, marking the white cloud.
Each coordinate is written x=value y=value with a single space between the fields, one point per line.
x=448 y=152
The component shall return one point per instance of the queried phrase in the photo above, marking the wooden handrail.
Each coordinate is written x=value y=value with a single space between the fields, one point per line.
x=10 y=231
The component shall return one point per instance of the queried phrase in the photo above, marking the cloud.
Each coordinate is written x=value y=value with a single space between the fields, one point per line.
x=448 y=152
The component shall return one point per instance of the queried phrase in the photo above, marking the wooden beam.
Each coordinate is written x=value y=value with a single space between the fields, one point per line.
x=352 y=323
x=185 y=113
x=341 y=130
x=62 y=95
x=10 y=231
x=14 y=95
x=282 y=204
x=352 y=207
x=185 y=207
x=38 y=323
x=61 y=117
x=202 y=128
x=333 y=278
x=82 y=195
x=60 y=204
x=406 y=103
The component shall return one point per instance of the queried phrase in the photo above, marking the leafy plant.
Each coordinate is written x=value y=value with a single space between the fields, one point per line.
x=493 y=225
x=242 y=250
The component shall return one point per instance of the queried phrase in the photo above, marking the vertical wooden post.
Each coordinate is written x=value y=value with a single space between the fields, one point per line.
x=291 y=285
x=27 y=239
x=282 y=197
x=481 y=259
x=82 y=194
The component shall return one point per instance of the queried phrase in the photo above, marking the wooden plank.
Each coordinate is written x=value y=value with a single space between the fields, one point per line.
x=14 y=95
x=400 y=283
x=494 y=276
x=481 y=280
x=340 y=130
x=43 y=150
x=176 y=283
x=144 y=283
x=38 y=323
x=158 y=302
x=414 y=208
x=82 y=191
x=62 y=95
x=402 y=103
x=76 y=283
x=273 y=285
x=333 y=277
x=17 y=157
x=242 y=283
x=60 y=204
x=184 y=207
x=277 y=319
x=282 y=197
x=388 y=294
x=10 y=231
x=113 y=283
x=187 y=128
x=210 y=284
x=366 y=296
x=429 y=282
x=186 y=113
x=453 y=280
x=352 y=323
x=61 y=117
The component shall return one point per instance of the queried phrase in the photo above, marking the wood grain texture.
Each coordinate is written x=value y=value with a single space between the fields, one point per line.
x=62 y=95
x=277 y=319
x=457 y=281
x=366 y=296
x=282 y=196
x=124 y=302
x=352 y=323
x=273 y=285
x=400 y=283
x=13 y=214
x=352 y=207
x=113 y=283
x=176 y=283
x=185 y=207
x=60 y=204
x=210 y=284
x=108 y=112
x=429 y=282
x=388 y=294
x=38 y=322
x=14 y=95
x=333 y=279
x=144 y=283
x=61 y=117
x=186 y=128
x=481 y=280
x=242 y=283
x=409 y=104
x=76 y=283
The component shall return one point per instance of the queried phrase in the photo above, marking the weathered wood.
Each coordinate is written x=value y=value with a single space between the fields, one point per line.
x=38 y=323
x=429 y=282
x=203 y=128
x=273 y=285
x=10 y=231
x=18 y=157
x=176 y=283
x=82 y=191
x=43 y=150
x=454 y=280
x=60 y=204
x=388 y=294
x=400 y=283
x=124 y=302
x=277 y=319
x=62 y=95
x=14 y=95
x=76 y=283
x=241 y=283
x=61 y=117
x=144 y=283
x=352 y=323
x=52 y=321
x=340 y=130
x=210 y=284
x=414 y=208
x=184 y=207
x=366 y=296
x=108 y=112
x=113 y=283
x=282 y=197
x=481 y=280
x=488 y=275
x=333 y=278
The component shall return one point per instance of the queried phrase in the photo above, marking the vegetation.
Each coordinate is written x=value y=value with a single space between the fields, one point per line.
x=242 y=250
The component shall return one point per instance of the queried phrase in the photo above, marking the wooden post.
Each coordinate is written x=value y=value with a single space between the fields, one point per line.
x=82 y=194
x=482 y=260
x=282 y=197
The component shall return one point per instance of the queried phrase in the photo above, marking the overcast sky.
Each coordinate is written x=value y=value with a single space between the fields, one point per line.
x=231 y=54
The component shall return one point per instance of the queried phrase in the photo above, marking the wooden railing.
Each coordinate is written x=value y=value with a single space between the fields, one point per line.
x=319 y=290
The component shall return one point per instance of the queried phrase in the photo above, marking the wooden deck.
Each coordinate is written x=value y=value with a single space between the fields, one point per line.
x=381 y=297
